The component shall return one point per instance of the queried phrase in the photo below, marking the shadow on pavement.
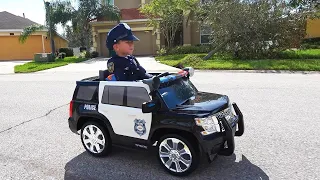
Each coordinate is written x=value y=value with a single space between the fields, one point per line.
x=126 y=164
x=94 y=60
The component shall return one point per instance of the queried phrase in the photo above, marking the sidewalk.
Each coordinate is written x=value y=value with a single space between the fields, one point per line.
x=94 y=65
x=7 y=67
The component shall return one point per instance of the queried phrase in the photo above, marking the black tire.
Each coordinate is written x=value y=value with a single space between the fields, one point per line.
x=105 y=135
x=195 y=158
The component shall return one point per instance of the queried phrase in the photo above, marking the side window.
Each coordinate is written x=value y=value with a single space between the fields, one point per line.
x=105 y=95
x=86 y=92
x=136 y=96
x=113 y=95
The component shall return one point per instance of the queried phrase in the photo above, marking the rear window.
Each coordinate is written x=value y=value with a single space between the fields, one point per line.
x=86 y=92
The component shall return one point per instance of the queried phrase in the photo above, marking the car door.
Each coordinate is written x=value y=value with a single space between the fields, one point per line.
x=119 y=103
x=139 y=123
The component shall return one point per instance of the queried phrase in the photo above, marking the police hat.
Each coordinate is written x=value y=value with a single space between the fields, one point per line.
x=120 y=32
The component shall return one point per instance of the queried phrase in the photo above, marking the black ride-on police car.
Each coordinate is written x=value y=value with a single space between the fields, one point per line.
x=165 y=113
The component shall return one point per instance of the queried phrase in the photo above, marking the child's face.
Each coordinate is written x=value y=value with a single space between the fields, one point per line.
x=124 y=48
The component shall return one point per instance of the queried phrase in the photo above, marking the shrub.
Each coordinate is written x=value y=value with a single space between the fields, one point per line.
x=83 y=49
x=62 y=55
x=299 y=54
x=310 y=46
x=189 y=49
x=311 y=43
x=192 y=60
x=68 y=51
x=82 y=54
x=162 y=52
x=94 y=54
x=88 y=54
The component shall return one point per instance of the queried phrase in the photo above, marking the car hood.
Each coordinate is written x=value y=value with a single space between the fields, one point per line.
x=204 y=103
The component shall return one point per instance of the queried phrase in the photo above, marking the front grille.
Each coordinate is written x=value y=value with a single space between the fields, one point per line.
x=224 y=113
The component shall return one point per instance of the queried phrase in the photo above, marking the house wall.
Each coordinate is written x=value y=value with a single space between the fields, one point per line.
x=148 y=44
x=127 y=4
x=12 y=49
x=60 y=43
x=313 y=28
x=195 y=33
x=186 y=32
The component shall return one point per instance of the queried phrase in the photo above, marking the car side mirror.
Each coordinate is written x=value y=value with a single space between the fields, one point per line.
x=148 y=107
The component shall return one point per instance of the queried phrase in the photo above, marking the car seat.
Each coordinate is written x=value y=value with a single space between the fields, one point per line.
x=103 y=74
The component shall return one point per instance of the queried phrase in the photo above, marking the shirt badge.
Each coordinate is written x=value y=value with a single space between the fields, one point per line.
x=111 y=67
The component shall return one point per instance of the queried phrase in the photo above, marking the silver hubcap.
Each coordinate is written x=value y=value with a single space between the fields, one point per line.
x=93 y=139
x=175 y=155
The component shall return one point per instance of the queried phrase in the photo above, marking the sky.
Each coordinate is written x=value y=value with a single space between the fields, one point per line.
x=33 y=10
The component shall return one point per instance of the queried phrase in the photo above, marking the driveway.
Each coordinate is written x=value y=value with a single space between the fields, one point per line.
x=94 y=65
x=7 y=67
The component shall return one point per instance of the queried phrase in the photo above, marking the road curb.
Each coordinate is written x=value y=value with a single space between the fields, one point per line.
x=261 y=71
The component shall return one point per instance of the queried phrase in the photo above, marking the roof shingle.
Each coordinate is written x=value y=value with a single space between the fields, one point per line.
x=11 y=21
x=131 y=14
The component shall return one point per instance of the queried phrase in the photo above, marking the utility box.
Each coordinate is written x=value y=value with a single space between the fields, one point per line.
x=43 y=57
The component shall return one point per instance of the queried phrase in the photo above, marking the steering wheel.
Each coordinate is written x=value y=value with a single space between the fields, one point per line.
x=163 y=74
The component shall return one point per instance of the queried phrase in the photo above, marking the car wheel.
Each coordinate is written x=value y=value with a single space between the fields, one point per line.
x=95 y=139
x=177 y=155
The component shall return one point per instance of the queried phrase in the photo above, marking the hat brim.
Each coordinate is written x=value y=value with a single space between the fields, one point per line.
x=131 y=38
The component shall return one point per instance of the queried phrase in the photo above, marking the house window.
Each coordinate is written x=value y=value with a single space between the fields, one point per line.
x=110 y=2
x=205 y=32
x=11 y=34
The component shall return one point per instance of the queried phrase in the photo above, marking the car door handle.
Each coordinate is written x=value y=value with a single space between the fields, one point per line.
x=132 y=115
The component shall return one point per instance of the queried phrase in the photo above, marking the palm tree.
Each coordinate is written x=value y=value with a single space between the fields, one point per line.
x=63 y=12
x=58 y=12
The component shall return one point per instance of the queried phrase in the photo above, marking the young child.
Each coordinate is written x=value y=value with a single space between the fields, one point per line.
x=123 y=66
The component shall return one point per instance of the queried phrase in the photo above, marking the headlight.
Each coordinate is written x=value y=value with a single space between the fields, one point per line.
x=209 y=124
x=233 y=111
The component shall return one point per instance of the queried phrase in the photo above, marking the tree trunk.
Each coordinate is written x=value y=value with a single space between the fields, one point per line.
x=216 y=49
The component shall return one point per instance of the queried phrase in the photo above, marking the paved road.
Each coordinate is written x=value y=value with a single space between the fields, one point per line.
x=281 y=139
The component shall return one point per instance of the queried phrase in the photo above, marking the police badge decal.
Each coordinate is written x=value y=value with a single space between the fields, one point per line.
x=139 y=126
x=110 y=67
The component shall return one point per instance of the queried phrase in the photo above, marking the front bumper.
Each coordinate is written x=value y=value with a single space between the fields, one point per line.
x=222 y=143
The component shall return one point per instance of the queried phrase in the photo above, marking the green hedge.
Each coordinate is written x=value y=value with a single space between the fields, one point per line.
x=195 y=61
x=94 y=54
x=185 y=50
x=68 y=51
x=299 y=54
x=311 y=43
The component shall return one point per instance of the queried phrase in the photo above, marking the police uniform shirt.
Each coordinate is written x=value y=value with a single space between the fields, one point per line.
x=126 y=68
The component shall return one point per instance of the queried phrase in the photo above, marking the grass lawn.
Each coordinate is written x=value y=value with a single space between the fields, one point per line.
x=39 y=66
x=304 y=60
